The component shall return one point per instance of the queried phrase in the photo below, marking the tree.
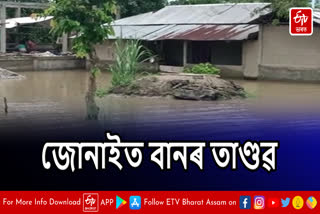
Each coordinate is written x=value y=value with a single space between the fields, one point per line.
x=280 y=7
x=181 y=2
x=90 y=21
x=134 y=7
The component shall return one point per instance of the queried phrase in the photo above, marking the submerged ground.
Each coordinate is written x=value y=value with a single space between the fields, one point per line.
x=51 y=106
x=57 y=100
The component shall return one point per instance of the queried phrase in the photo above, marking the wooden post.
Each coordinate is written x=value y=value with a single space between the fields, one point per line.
x=65 y=43
x=5 y=105
x=3 y=38
x=185 y=53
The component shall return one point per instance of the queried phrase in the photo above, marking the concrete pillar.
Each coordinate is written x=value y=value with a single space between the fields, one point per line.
x=118 y=13
x=185 y=53
x=3 y=38
x=260 y=59
x=253 y=56
x=17 y=15
x=18 y=12
x=65 y=43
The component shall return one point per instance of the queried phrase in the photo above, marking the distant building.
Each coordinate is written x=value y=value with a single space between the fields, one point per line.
x=237 y=37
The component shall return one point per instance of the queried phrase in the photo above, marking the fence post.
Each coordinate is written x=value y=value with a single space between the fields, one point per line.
x=5 y=105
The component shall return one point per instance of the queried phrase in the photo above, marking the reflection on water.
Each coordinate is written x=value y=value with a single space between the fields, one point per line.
x=57 y=99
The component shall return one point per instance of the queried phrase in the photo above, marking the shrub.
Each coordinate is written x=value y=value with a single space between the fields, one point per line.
x=128 y=57
x=203 y=68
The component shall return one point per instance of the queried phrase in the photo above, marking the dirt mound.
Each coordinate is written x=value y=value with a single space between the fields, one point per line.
x=183 y=86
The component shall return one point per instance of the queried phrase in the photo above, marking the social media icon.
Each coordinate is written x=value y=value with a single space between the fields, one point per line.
x=245 y=202
x=297 y=202
x=286 y=202
x=311 y=202
x=259 y=202
x=273 y=202
x=120 y=202
x=135 y=202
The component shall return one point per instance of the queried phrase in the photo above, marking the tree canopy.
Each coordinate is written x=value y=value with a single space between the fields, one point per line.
x=181 y=2
x=280 y=7
x=85 y=18
x=134 y=7
x=90 y=21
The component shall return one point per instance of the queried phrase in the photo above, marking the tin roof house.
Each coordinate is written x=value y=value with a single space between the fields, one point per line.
x=233 y=36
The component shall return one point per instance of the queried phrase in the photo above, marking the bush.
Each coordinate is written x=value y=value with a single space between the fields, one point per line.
x=203 y=68
x=128 y=57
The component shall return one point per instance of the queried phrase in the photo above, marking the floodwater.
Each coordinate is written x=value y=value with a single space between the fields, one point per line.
x=57 y=100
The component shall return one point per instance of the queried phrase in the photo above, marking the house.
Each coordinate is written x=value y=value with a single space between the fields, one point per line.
x=237 y=37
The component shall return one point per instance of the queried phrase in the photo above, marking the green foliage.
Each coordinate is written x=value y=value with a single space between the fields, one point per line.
x=181 y=2
x=101 y=93
x=129 y=55
x=203 y=68
x=95 y=71
x=280 y=7
x=134 y=7
x=38 y=34
x=85 y=18
x=276 y=22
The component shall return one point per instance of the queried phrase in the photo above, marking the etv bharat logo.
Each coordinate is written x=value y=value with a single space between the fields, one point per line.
x=90 y=202
x=301 y=21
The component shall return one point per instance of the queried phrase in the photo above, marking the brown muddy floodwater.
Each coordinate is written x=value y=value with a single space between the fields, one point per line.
x=57 y=99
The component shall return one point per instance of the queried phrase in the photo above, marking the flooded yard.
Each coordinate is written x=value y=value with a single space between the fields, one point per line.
x=57 y=100
x=51 y=106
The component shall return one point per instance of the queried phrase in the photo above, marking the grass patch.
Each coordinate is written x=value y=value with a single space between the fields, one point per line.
x=203 y=68
x=129 y=55
x=102 y=92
